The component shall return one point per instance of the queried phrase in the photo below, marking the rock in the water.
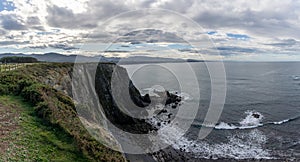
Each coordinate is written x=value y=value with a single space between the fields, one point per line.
x=255 y=115
x=172 y=98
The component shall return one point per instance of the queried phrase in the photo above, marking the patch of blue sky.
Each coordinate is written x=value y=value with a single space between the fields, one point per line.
x=238 y=36
x=180 y=46
x=211 y=32
x=6 y=5
x=44 y=33
x=56 y=30
x=52 y=31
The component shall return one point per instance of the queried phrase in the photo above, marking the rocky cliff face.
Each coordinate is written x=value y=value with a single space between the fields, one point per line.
x=106 y=83
x=104 y=92
x=118 y=95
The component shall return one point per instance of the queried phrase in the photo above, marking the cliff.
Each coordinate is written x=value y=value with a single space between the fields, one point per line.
x=47 y=87
x=80 y=111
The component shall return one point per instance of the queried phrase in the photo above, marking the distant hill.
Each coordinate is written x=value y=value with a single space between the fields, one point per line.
x=16 y=59
x=56 y=57
x=53 y=57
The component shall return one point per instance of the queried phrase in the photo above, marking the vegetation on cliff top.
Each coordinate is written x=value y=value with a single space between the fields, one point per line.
x=15 y=59
x=29 y=139
x=54 y=107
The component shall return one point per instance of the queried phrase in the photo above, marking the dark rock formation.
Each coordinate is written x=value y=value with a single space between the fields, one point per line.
x=137 y=98
x=172 y=98
x=117 y=94
x=255 y=115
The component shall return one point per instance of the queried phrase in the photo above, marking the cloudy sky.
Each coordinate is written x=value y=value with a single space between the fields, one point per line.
x=259 y=30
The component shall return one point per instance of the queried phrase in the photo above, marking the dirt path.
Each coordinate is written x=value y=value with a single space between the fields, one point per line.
x=9 y=116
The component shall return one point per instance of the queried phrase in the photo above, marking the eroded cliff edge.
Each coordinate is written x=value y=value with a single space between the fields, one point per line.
x=49 y=87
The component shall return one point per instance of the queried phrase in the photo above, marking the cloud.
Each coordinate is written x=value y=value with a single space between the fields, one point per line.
x=12 y=22
x=284 y=43
x=12 y=43
x=236 y=50
x=63 y=46
x=149 y=36
x=97 y=11
x=237 y=27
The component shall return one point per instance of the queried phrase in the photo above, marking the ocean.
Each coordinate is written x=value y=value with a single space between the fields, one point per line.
x=260 y=118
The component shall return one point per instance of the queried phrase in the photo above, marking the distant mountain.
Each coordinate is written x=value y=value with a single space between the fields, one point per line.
x=145 y=59
x=56 y=57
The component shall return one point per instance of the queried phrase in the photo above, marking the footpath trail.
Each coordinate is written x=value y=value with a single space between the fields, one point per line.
x=25 y=137
x=9 y=116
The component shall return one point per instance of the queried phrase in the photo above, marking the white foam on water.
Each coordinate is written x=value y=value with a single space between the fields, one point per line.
x=249 y=122
x=285 y=120
x=296 y=77
x=224 y=125
x=150 y=91
x=281 y=122
x=155 y=90
x=185 y=96
x=239 y=146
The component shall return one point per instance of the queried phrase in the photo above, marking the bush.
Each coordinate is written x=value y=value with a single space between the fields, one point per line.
x=35 y=92
x=15 y=59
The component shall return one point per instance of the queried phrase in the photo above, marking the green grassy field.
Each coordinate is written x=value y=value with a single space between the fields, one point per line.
x=34 y=140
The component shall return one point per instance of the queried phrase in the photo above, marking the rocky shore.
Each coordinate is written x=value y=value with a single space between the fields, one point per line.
x=129 y=100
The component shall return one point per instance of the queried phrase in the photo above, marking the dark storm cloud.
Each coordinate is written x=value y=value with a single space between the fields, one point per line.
x=235 y=50
x=209 y=14
x=11 y=22
x=33 y=20
x=268 y=23
x=223 y=50
x=97 y=11
x=12 y=43
x=2 y=32
x=149 y=36
x=61 y=17
x=285 y=43
x=63 y=46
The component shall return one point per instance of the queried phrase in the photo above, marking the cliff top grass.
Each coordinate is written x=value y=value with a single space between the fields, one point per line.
x=27 y=138
x=54 y=109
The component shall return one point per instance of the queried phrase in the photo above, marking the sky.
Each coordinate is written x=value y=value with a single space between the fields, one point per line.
x=256 y=30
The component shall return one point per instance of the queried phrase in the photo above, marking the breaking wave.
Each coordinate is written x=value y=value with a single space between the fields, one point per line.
x=252 y=120
x=240 y=146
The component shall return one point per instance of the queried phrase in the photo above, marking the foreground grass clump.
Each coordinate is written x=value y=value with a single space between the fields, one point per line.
x=33 y=140
x=54 y=108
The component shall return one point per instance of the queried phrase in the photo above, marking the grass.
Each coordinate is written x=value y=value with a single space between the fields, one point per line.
x=11 y=66
x=53 y=108
x=35 y=140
